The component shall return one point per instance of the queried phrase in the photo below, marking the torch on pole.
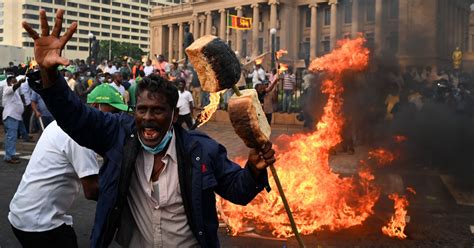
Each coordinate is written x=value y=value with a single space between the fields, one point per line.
x=282 y=193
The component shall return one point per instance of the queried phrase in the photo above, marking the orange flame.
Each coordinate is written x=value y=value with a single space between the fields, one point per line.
x=210 y=109
x=280 y=53
x=318 y=197
x=399 y=138
x=283 y=68
x=259 y=61
x=381 y=156
x=396 y=226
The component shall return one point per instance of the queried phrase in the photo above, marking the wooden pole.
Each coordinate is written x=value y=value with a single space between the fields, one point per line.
x=282 y=193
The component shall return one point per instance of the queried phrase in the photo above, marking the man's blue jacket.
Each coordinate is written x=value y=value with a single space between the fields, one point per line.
x=203 y=166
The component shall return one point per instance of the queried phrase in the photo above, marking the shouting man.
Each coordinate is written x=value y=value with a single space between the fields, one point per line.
x=158 y=180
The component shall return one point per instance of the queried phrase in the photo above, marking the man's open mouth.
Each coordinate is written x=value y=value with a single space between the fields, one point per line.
x=150 y=134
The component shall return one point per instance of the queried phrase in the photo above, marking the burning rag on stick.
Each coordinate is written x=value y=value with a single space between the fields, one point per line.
x=218 y=69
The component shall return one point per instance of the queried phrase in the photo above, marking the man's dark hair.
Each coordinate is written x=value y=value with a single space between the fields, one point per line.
x=157 y=85
x=10 y=78
x=141 y=73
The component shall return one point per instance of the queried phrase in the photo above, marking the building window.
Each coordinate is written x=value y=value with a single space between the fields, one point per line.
x=393 y=6
x=71 y=13
x=74 y=5
x=47 y=1
x=115 y=27
x=84 y=15
x=83 y=6
x=115 y=35
x=71 y=48
x=95 y=25
x=104 y=34
x=144 y=31
x=125 y=13
x=95 y=17
x=82 y=31
x=326 y=44
x=1 y=39
x=370 y=11
x=105 y=18
x=370 y=40
x=124 y=36
x=144 y=46
x=126 y=21
x=308 y=18
x=106 y=2
x=27 y=44
x=60 y=2
x=392 y=42
x=348 y=12
x=105 y=26
x=143 y=38
x=83 y=40
x=125 y=29
x=105 y=10
x=260 y=45
x=83 y=48
x=116 y=12
x=116 y=4
x=95 y=1
x=30 y=16
x=116 y=20
x=327 y=16
x=81 y=23
x=94 y=8
x=31 y=7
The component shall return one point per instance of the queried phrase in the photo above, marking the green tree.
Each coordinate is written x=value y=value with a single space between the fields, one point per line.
x=119 y=50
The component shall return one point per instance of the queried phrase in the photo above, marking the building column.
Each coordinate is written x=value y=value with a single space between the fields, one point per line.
x=208 y=22
x=378 y=31
x=202 y=28
x=195 y=29
x=273 y=19
x=238 y=43
x=313 y=32
x=160 y=48
x=170 y=42
x=256 y=20
x=180 y=40
x=355 y=18
x=333 y=29
x=223 y=24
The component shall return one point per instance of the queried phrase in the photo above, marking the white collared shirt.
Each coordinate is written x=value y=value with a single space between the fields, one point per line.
x=12 y=104
x=51 y=182
x=157 y=207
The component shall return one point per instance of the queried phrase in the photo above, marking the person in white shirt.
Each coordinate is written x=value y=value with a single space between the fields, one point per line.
x=11 y=116
x=117 y=83
x=51 y=182
x=111 y=68
x=185 y=105
x=148 y=68
x=258 y=75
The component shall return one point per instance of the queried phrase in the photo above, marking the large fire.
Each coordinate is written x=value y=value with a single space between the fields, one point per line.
x=318 y=197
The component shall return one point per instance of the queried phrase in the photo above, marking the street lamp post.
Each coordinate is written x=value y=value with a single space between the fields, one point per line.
x=91 y=37
x=273 y=37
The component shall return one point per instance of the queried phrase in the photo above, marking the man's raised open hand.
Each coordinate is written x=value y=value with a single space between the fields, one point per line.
x=48 y=47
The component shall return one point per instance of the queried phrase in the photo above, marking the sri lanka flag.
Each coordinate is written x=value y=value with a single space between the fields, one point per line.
x=237 y=22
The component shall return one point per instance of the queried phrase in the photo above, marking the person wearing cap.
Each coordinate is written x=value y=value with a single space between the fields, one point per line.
x=175 y=71
x=51 y=182
x=12 y=116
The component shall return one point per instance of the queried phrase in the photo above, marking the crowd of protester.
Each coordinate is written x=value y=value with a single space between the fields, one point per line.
x=373 y=99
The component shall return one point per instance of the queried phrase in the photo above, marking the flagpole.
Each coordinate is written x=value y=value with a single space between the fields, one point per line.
x=227 y=28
